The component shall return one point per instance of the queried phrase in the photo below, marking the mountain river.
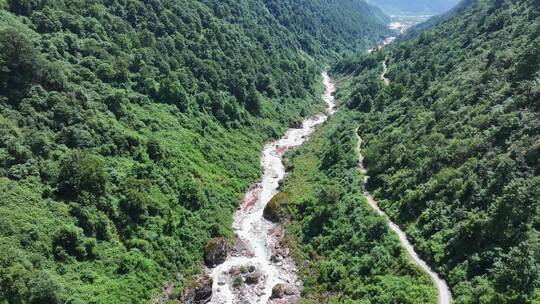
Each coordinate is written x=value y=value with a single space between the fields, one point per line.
x=259 y=254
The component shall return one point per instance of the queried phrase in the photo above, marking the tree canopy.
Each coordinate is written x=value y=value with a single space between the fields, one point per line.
x=452 y=145
x=130 y=129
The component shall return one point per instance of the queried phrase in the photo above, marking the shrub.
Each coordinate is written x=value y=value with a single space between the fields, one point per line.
x=82 y=172
x=18 y=64
x=70 y=241
x=43 y=288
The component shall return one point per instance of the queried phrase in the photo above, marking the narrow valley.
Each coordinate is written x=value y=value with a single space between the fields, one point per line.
x=270 y=151
x=260 y=270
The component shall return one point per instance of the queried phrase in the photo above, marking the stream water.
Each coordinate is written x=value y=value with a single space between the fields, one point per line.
x=259 y=252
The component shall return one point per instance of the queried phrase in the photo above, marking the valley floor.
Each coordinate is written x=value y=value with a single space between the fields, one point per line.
x=274 y=274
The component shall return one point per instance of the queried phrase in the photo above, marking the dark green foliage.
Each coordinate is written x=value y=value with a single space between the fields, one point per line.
x=155 y=150
x=129 y=131
x=136 y=201
x=44 y=289
x=19 y=68
x=82 y=173
x=345 y=251
x=24 y=7
x=330 y=27
x=452 y=145
x=192 y=196
x=69 y=241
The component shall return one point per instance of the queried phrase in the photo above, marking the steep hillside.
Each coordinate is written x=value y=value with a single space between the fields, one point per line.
x=345 y=251
x=331 y=28
x=414 y=7
x=128 y=132
x=453 y=145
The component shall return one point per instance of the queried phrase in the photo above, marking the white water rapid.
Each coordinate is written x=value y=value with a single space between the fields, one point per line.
x=259 y=248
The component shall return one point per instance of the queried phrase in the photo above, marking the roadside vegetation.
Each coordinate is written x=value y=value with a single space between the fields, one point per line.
x=453 y=145
x=344 y=250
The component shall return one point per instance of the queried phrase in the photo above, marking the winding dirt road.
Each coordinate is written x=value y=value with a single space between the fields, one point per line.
x=385 y=71
x=445 y=296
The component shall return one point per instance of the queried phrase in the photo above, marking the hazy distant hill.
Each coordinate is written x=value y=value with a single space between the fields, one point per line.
x=331 y=27
x=416 y=7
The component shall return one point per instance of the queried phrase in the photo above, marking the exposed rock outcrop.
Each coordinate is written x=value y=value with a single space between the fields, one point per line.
x=296 y=124
x=215 y=252
x=272 y=212
x=198 y=292
x=278 y=291
x=289 y=291
x=252 y=278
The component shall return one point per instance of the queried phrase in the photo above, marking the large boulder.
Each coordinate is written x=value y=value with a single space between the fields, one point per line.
x=296 y=124
x=289 y=291
x=252 y=278
x=215 y=252
x=198 y=292
x=278 y=291
x=272 y=211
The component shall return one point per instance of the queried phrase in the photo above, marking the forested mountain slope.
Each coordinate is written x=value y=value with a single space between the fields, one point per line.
x=345 y=252
x=453 y=145
x=331 y=27
x=416 y=7
x=128 y=132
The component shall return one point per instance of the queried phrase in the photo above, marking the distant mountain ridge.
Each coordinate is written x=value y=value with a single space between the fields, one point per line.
x=435 y=20
x=417 y=7
x=328 y=27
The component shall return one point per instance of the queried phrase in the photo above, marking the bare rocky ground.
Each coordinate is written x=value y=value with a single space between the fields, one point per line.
x=249 y=283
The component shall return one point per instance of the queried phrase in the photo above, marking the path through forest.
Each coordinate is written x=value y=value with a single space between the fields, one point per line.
x=385 y=71
x=445 y=296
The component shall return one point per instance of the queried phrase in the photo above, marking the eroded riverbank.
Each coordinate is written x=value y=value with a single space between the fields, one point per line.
x=260 y=264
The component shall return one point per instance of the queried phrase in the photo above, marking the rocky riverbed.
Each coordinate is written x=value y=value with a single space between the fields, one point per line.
x=258 y=268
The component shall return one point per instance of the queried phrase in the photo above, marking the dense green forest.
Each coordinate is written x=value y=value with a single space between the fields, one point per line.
x=331 y=28
x=452 y=145
x=416 y=7
x=130 y=129
x=345 y=251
